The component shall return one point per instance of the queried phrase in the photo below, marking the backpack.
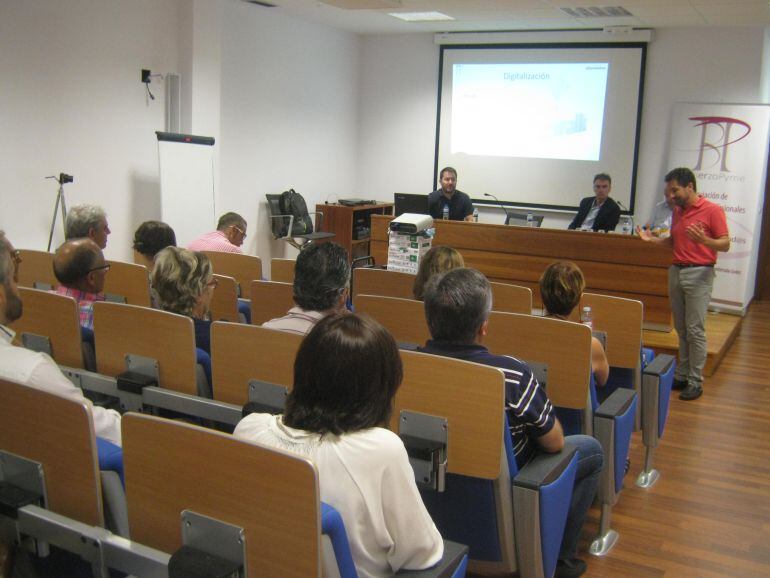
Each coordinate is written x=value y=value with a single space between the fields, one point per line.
x=292 y=203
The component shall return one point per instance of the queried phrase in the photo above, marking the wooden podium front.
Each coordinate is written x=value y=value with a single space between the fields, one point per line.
x=619 y=265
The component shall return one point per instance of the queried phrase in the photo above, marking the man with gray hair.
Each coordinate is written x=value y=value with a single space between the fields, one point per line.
x=80 y=268
x=34 y=369
x=87 y=221
x=228 y=238
x=457 y=306
x=321 y=280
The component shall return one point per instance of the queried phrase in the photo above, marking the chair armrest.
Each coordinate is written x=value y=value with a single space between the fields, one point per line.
x=544 y=468
x=616 y=404
x=320 y=215
x=452 y=563
x=660 y=365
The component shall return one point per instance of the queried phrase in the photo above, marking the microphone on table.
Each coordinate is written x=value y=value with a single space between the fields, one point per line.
x=502 y=206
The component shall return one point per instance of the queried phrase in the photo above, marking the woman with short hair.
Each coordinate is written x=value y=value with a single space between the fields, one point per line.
x=346 y=375
x=561 y=287
x=184 y=283
x=436 y=260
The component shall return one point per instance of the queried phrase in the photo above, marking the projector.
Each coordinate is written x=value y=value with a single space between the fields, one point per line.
x=411 y=223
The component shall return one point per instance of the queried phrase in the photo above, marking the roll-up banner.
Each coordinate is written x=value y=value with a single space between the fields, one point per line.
x=726 y=146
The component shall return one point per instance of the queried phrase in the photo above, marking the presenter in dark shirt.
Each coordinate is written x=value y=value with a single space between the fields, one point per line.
x=598 y=213
x=460 y=206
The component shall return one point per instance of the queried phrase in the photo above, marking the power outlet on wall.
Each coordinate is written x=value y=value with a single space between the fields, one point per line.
x=145 y=75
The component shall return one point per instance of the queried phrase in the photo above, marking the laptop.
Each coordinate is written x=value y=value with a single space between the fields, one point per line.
x=409 y=203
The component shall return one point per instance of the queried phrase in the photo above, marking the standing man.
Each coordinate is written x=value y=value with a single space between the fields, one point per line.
x=87 y=221
x=460 y=206
x=598 y=213
x=698 y=232
x=228 y=238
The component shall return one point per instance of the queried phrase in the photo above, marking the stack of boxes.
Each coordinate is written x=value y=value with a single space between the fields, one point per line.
x=406 y=251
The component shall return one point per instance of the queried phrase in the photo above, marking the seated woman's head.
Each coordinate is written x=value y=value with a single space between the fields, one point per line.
x=184 y=281
x=561 y=287
x=149 y=239
x=437 y=260
x=346 y=374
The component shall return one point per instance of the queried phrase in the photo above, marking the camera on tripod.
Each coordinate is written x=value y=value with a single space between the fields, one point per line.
x=65 y=178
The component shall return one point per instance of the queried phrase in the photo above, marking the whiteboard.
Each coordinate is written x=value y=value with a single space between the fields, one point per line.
x=186 y=164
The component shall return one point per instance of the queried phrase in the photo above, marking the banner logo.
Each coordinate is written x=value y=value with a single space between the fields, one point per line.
x=715 y=138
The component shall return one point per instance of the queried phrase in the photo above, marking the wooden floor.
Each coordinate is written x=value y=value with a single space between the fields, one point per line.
x=709 y=514
x=721 y=331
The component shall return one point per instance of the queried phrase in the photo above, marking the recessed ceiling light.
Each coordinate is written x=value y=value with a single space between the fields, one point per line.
x=421 y=16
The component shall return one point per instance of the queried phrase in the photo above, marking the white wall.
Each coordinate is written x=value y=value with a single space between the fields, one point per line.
x=399 y=92
x=289 y=115
x=72 y=101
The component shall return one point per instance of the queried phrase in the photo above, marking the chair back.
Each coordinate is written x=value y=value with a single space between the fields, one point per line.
x=511 y=298
x=241 y=352
x=36 y=267
x=621 y=320
x=122 y=330
x=243 y=268
x=55 y=317
x=282 y=270
x=368 y=281
x=564 y=346
x=224 y=302
x=130 y=281
x=404 y=318
x=173 y=466
x=270 y=299
x=58 y=432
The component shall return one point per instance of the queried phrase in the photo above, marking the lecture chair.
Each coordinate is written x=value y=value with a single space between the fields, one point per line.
x=370 y=281
x=559 y=353
x=37 y=270
x=243 y=353
x=457 y=437
x=243 y=268
x=282 y=270
x=270 y=299
x=51 y=472
x=621 y=322
x=152 y=342
x=404 y=318
x=127 y=283
x=50 y=324
x=224 y=302
x=511 y=298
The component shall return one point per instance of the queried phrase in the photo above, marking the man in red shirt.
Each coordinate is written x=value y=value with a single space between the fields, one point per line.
x=698 y=232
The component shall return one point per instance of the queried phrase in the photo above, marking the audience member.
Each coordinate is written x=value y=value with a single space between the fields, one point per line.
x=457 y=306
x=321 y=280
x=149 y=239
x=80 y=268
x=346 y=375
x=184 y=283
x=561 y=287
x=660 y=225
x=460 y=207
x=34 y=369
x=600 y=212
x=228 y=238
x=87 y=221
x=437 y=260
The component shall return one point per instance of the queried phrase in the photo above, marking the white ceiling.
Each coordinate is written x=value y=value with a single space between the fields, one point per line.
x=371 y=16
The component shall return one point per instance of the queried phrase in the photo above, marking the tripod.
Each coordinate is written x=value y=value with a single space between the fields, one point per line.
x=62 y=180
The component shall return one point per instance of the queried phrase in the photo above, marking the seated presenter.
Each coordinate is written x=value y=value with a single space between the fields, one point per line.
x=598 y=213
x=460 y=206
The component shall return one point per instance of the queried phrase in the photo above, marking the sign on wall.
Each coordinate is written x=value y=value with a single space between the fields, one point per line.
x=726 y=146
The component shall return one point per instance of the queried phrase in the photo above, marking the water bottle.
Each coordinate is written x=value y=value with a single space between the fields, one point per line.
x=626 y=229
x=530 y=220
x=445 y=213
x=475 y=215
x=587 y=317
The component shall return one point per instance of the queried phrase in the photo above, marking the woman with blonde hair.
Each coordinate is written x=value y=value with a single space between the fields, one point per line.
x=184 y=283
x=437 y=260
x=561 y=287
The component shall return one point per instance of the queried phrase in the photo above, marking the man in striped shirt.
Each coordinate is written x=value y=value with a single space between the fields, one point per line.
x=228 y=238
x=80 y=268
x=457 y=306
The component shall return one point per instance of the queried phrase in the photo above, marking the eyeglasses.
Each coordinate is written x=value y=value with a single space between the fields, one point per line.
x=242 y=232
x=16 y=256
x=213 y=283
x=104 y=268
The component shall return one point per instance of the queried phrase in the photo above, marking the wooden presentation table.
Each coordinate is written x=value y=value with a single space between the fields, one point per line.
x=613 y=264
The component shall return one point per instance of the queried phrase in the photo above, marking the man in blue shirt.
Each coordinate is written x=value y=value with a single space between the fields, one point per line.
x=460 y=206
x=457 y=306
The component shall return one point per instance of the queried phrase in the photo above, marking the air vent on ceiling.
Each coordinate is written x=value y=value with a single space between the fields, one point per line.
x=596 y=11
x=363 y=4
x=259 y=3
